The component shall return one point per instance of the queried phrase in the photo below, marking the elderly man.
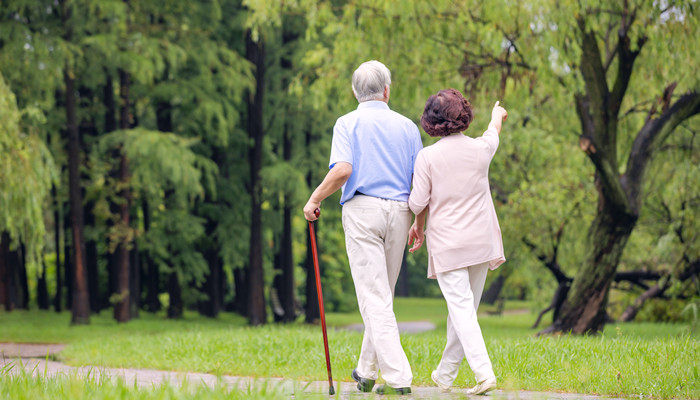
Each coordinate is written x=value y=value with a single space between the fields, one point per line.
x=372 y=157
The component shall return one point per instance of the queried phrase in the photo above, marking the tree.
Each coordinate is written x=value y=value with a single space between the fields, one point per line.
x=25 y=183
x=81 y=304
x=255 y=53
x=535 y=55
x=620 y=196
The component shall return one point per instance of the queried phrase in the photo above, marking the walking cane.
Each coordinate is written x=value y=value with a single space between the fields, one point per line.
x=322 y=313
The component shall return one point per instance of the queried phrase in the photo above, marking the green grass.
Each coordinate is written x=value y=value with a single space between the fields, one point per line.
x=23 y=385
x=421 y=309
x=660 y=360
x=51 y=327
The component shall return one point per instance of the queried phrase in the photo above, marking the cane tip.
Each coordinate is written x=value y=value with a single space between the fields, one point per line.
x=331 y=390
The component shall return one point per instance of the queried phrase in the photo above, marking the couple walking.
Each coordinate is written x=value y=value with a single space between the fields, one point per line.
x=376 y=153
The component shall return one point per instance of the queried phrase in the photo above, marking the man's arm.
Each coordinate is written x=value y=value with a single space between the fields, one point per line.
x=334 y=180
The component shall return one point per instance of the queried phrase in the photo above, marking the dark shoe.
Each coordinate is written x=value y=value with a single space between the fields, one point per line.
x=363 y=385
x=386 y=389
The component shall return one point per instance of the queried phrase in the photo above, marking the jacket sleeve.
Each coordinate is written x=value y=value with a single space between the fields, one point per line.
x=422 y=185
x=490 y=139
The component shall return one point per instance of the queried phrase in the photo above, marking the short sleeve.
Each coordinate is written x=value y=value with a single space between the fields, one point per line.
x=491 y=139
x=341 y=148
x=422 y=185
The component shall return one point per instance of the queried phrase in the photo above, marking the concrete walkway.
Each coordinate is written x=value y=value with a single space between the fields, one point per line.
x=404 y=327
x=11 y=363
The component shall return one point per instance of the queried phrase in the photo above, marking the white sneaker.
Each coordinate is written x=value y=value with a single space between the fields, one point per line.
x=484 y=386
x=441 y=386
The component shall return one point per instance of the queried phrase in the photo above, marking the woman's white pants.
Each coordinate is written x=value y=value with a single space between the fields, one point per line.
x=462 y=290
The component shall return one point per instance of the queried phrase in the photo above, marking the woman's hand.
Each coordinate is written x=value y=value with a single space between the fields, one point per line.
x=498 y=115
x=416 y=236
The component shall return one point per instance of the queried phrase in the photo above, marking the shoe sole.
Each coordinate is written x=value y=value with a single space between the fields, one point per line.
x=366 y=388
x=383 y=390
x=441 y=388
x=481 y=390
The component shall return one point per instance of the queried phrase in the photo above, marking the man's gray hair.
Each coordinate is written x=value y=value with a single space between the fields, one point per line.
x=369 y=80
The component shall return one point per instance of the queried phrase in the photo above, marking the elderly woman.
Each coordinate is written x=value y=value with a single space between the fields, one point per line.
x=463 y=237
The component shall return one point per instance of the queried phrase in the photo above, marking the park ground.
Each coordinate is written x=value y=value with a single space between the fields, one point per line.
x=627 y=360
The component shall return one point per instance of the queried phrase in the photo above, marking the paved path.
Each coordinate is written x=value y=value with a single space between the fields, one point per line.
x=404 y=327
x=10 y=362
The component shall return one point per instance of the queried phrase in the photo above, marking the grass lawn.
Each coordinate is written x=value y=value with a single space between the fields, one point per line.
x=27 y=387
x=660 y=360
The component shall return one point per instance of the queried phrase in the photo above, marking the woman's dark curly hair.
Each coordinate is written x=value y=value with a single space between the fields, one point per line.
x=445 y=113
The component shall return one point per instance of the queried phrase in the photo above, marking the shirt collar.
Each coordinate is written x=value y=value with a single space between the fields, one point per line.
x=372 y=104
x=454 y=135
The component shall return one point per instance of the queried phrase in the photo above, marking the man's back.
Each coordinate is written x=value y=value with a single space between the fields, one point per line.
x=381 y=145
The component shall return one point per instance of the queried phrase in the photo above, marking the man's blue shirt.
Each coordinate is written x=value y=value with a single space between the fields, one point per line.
x=381 y=145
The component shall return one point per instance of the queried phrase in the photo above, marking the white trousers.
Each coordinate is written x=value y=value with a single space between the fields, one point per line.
x=462 y=289
x=376 y=232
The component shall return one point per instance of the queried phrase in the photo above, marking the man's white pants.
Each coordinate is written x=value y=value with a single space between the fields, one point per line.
x=462 y=290
x=376 y=231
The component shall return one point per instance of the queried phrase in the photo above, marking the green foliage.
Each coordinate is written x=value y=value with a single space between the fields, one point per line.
x=188 y=71
x=658 y=310
x=26 y=175
x=160 y=162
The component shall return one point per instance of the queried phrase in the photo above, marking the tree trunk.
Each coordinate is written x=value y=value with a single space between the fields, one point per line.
x=110 y=126
x=122 y=306
x=67 y=261
x=91 y=259
x=42 y=293
x=560 y=295
x=58 y=298
x=211 y=288
x=690 y=270
x=153 y=287
x=619 y=197
x=631 y=311
x=87 y=129
x=211 y=307
x=134 y=281
x=240 y=300
x=164 y=123
x=80 y=308
x=152 y=273
x=286 y=287
x=491 y=294
x=289 y=293
x=175 y=307
x=256 y=283
x=5 y=283
x=21 y=276
x=93 y=275
x=584 y=310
